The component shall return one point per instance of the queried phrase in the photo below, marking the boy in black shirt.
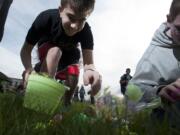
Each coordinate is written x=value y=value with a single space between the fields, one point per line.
x=57 y=32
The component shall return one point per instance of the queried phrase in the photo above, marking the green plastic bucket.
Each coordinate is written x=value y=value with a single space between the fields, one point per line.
x=43 y=94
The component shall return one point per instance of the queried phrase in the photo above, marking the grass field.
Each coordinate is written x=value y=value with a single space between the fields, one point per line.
x=78 y=119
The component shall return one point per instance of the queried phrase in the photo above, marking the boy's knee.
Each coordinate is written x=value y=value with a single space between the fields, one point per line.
x=54 y=52
x=50 y=63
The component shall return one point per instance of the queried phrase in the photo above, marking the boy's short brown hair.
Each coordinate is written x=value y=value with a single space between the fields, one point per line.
x=79 y=5
x=174 y=9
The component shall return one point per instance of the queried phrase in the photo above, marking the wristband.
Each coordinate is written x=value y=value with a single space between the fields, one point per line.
x=89 y=69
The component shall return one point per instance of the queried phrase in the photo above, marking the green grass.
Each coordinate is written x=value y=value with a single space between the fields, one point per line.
x=78 y=119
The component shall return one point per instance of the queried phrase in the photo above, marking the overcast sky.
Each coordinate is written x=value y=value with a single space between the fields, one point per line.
x=122 y=31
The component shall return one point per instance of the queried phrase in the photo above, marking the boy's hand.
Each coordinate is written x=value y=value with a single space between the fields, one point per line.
x=25 y=76
x=94 y=78
x=171 y=92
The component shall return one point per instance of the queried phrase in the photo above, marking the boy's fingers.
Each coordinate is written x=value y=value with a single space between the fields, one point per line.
x=96 y=86
x=97 y=82
x=167 y=93
x=167 y=97
x=93 y=78
x=174 y=94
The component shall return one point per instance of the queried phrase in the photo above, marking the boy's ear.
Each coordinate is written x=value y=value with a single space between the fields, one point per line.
x=169 y=18
x=60 y=9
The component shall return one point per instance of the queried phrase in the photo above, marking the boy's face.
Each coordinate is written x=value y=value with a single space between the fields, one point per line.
x=175 y=29
x=72 y=21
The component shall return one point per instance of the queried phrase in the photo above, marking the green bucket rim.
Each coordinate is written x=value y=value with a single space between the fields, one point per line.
x=51 y=81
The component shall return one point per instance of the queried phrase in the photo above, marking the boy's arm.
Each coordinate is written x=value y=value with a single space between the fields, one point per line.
x=26 y=55
x=91 y=76
x=39 y=27
x=26 y=60
x=88 y=59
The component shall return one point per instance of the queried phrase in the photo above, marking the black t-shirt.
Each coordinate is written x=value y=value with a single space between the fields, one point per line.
x=47 y=27
x=125 y=77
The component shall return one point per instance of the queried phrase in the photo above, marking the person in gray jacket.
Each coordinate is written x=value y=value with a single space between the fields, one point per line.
x=158 y=71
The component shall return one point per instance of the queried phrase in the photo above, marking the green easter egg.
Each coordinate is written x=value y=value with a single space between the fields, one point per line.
x=82 y=117
x=133 y=92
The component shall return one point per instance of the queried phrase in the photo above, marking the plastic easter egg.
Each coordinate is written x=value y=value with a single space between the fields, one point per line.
x=133 y=92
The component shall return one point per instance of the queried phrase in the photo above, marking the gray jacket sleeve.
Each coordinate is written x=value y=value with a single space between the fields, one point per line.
x=147 y=76
x=4 y=8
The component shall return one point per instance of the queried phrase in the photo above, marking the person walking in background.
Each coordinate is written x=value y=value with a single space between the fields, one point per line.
x=76 y=93
x=4 y=8
x=82 y=93
x=124 y=80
